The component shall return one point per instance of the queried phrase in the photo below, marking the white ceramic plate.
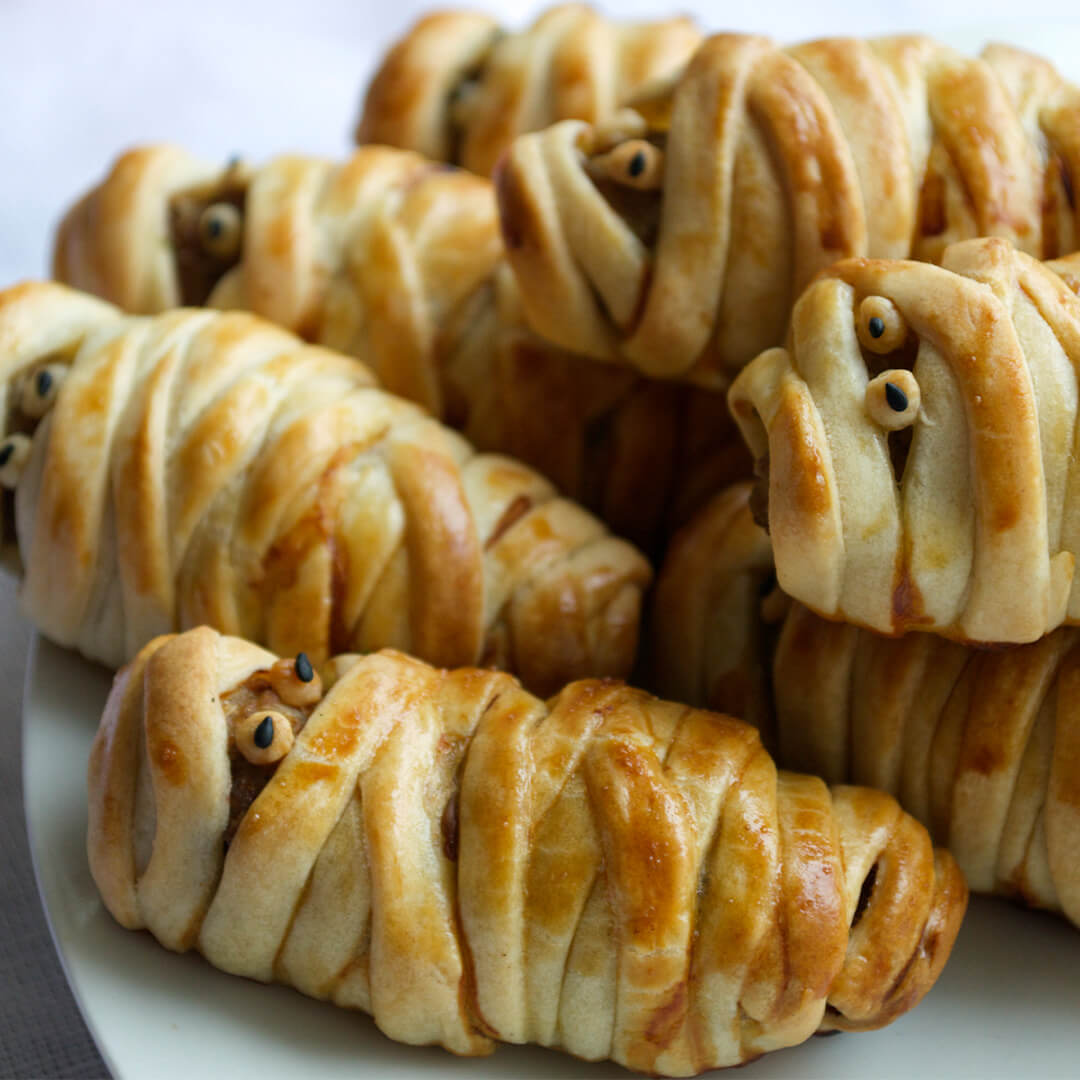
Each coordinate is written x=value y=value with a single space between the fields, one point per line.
x=1006 y=1006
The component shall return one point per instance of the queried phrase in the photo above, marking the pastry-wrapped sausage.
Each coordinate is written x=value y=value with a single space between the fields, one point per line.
x=982 y=746
x=456 y=88
x=676 y=236
x=201 y=467
x=606 y=873
x=918 y=441
x=399 y=262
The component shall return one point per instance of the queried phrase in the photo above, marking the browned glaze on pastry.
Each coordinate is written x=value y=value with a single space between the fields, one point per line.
x=207 y=467
x=756 y=167
x=398 y=262
x=607 y=873
x=919 y=432
x=457 y=88
x=978 y=744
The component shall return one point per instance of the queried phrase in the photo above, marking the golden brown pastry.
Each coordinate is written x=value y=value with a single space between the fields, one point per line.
x=456 y=88
x=918 y=441
x=200 y=467
x=675 y=236
x=398 y=261
x=606 y=873
x=982 y=746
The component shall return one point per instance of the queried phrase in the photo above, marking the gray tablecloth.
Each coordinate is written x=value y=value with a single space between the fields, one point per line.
x=41 y=1031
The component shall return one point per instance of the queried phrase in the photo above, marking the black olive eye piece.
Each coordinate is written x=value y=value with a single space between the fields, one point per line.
x=220 y=229
x=637 y=164
x=304 y=671
x=877 y=326
x=264 y=733
x=896 y=397
x=44 y=381
x=5 y=453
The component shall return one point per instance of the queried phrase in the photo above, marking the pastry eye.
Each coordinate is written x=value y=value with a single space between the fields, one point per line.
x=296 y=682
x=40 y=390
x=634 y=163
x=220 y=230
x=14 y=453
x=881 y=327
x=264 y=736
x=893 y=399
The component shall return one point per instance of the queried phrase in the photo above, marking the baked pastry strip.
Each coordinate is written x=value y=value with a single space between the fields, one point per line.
x=606 y=873
x=457 y=88
x=918 y=440
x=398 y=261
x=675 y=236
x=205 y=467
x=978 y=744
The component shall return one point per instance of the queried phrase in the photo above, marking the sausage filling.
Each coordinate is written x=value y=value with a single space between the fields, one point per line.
x=262 y=691
x=199 y=267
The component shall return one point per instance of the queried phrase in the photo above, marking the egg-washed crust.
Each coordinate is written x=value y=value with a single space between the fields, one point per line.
x=456 y=88
x=607 y=873
x=398 y=262
x=206 y=467
x=776 y=163
x=979 y=744
x=976 y=539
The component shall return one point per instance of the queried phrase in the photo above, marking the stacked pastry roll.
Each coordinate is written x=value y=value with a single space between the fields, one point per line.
x=606 y=873
x=675 y=236
x=398 y=261
x=916 y=448
x=204 y=467
x=459 y=88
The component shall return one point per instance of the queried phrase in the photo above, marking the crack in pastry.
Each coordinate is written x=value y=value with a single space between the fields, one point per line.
x=398 y=261
x=457 y=88
x=762 y=167
x=208 y=467
x=604 y=872
x=978 y=744
x=925 y=478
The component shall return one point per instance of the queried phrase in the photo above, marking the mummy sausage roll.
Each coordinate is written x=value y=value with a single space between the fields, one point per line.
x=980 y=745
x=199 y=467
x=676 y=235
x=918 y=442
x=398 y=262
x=606 y=873
x=456 y=88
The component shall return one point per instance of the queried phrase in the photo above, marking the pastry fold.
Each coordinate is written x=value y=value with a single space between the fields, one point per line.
x=457 y=88
x=918 y=442
x=981 y=745
x=206 y=467
x=606 y=873
x=675 y=236
x=398 y=261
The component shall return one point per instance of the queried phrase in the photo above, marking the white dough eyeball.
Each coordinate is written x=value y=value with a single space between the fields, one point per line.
x=221 y=228
x=264 y=736
x=880 y=326
x=40 y=390
x=893 y=399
